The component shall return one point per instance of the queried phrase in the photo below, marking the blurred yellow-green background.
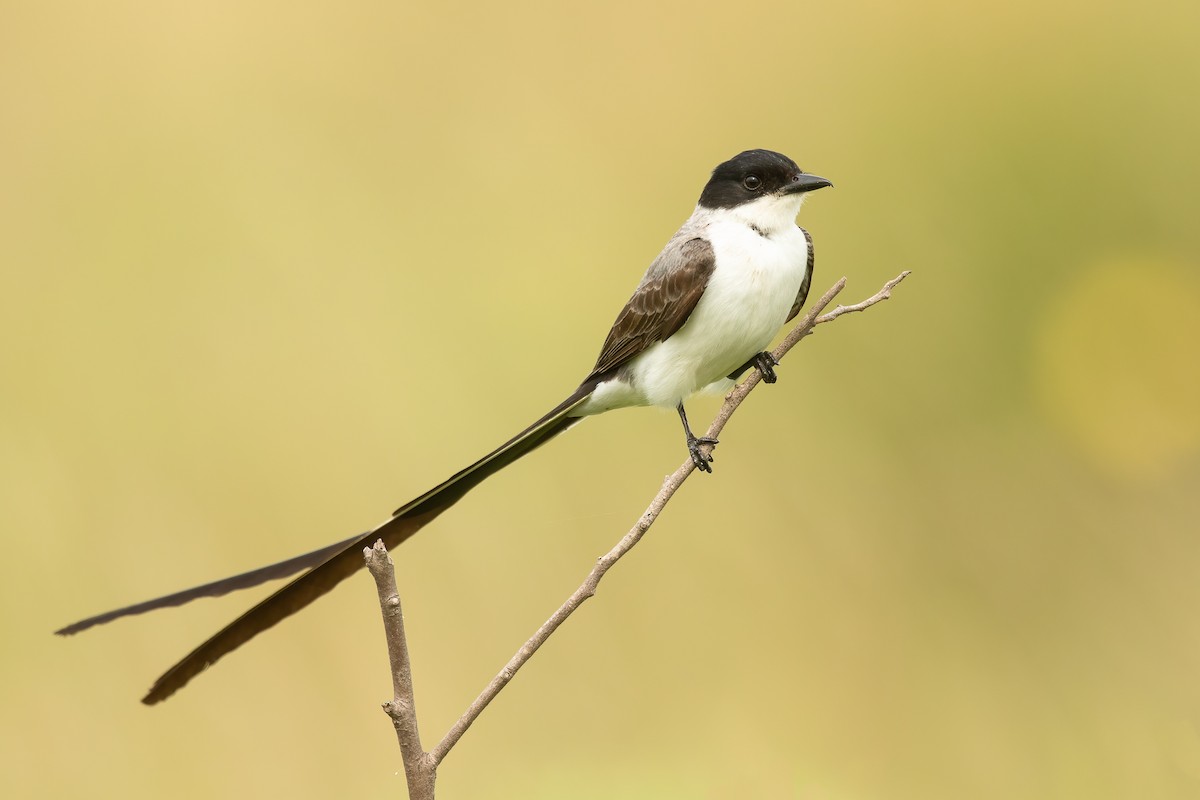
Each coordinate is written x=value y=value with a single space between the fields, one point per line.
x=268 y=270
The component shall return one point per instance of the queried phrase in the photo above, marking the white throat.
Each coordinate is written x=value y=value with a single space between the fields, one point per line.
x=771 y=214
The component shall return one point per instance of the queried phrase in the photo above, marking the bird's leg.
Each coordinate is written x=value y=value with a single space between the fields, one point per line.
x=763 y=362
x=702 y=461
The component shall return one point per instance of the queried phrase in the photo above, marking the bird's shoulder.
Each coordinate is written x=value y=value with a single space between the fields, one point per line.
x=662 y=302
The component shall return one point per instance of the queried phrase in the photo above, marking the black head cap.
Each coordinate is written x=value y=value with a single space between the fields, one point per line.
x=753 y=174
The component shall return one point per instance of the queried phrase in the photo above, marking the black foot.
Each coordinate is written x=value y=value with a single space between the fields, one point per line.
x=765 y=363
x=703 y=462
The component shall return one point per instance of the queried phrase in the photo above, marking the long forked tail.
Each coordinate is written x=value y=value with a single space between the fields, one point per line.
x=330 y=565
x=245 y=580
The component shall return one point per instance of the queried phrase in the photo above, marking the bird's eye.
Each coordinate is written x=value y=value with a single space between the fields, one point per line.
x=752 y=183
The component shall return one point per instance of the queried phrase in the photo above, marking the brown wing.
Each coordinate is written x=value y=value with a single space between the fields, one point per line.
x=802 y=295
x=661 y=304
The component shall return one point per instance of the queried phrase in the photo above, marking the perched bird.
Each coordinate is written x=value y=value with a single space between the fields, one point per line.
x=709 y=304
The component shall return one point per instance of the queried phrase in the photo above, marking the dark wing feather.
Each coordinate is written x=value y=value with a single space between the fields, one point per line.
x=661 y=304
x=802 y=295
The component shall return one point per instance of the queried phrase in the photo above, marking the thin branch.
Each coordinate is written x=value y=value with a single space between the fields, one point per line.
x=812 y=319
x=586 y=590
x=669 y=487
x=883 y=294
x=419 y=769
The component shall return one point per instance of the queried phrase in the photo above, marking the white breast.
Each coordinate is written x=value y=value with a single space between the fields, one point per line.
x=748 y=298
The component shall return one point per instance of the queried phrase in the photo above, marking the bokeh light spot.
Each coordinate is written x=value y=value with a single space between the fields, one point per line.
x=1116 y=366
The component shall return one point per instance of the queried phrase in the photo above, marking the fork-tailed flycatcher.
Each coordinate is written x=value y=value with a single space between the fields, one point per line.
x=701 y=316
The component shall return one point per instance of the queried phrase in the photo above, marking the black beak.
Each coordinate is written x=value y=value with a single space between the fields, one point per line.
x=804 y=182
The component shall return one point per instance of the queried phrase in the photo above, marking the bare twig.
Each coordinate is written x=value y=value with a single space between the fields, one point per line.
x=669 y=487
x=812 y=319
x=419 y=768
x=586 y=590
x=883 y=294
